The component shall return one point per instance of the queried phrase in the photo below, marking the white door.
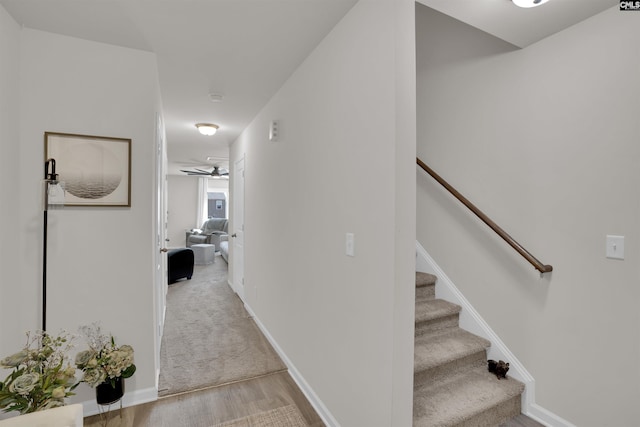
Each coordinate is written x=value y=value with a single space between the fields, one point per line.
x=160 y=285
x=237 y=234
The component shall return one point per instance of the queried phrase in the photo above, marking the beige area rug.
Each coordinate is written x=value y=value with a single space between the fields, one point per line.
x=209 y=338
x=286 y=416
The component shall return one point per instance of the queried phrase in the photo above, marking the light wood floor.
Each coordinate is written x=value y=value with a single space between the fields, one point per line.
x=522 y=421
x=206 y=408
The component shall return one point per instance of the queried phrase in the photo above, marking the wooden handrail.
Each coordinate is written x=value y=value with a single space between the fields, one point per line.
x=505 y=236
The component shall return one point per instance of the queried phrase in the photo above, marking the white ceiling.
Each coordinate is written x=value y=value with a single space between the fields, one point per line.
x=518 y=26
x=246 y=49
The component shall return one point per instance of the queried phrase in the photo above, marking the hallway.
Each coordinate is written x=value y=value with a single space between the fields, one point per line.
x=209 y=338
x=216 y=365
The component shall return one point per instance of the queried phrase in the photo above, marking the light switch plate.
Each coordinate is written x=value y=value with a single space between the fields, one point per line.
x=350 y=244
x=615 y=247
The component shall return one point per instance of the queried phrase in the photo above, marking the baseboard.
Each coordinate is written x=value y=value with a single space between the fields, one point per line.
x=312 y=397
x=471 y=321
x=546 y=417
x=133 y=398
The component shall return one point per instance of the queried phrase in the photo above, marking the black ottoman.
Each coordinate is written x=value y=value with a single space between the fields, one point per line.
x=180 y=264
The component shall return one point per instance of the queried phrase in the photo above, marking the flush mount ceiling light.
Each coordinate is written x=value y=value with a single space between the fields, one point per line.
x=207 y=128
x=529 y=3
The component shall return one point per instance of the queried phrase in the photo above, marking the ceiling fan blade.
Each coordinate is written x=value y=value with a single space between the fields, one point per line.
x=194 y=172
x=215 y=173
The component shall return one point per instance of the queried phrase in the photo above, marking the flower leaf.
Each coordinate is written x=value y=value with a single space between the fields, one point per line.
x=127 y=373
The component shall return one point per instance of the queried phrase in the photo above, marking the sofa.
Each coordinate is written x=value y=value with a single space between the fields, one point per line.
x=224 y=248
x=210 y=233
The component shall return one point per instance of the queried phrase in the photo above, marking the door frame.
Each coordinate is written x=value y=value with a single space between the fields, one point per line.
x=236 y=256
x=161 y=286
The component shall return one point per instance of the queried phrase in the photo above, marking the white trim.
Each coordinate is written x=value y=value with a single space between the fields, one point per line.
x=546 y=417
x=312 y=397
x=201 y=212
x=137 y=397
x=236 y=250
x=471 y=321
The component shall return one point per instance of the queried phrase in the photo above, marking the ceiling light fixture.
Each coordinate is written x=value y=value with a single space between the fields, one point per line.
x=207 y=128
x=529 y=3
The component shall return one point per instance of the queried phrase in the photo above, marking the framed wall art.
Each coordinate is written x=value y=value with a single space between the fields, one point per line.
x=95 y=170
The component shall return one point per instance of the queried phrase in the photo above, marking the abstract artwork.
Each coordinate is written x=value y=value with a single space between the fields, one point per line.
x=95 y=170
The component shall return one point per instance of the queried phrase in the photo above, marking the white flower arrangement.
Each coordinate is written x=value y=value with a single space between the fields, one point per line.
x=103 y=361
x=42 y=376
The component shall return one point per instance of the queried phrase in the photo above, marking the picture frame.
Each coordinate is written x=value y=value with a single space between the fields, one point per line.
x=95 y=170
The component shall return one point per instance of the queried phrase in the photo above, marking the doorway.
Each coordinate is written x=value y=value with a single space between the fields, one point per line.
x=237 y=235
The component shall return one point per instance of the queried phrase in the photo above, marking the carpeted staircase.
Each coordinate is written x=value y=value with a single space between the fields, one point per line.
x=452 y=385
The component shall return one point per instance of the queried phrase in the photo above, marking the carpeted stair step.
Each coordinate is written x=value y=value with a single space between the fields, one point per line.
x=437 y=355
x=452 y=386
x=425 y=286
x=473 y=399
x=435 y=314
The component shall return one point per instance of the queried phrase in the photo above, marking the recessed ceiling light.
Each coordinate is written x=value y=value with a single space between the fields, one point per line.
x=207 y=128
x=529 y=3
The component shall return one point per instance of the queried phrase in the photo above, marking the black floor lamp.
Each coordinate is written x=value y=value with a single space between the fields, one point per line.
x=54 y=197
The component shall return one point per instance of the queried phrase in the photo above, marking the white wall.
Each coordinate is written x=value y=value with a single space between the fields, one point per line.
x=335 y=316
x=183 y=203
x=545 y=141
x=9 y=192
x=405 y=212
x=100 y=259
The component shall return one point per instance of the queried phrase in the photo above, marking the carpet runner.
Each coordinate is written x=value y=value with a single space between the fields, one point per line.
x=452 y=385
x=209 y=338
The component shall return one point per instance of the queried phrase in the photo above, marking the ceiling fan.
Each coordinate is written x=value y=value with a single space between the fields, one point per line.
x=215 y=173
